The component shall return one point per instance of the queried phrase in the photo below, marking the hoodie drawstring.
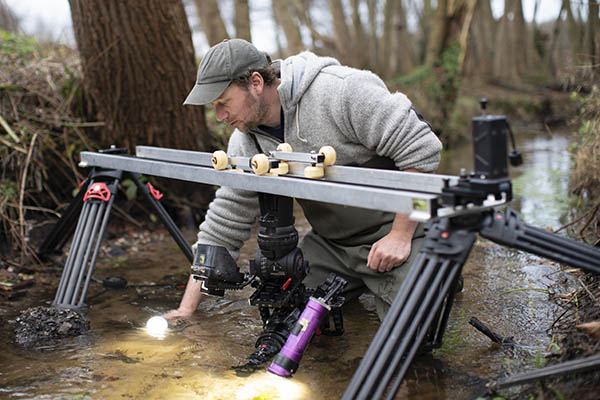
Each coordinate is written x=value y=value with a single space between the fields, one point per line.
x=303 y=140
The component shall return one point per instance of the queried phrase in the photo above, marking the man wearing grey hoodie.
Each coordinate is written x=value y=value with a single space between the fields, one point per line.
x=310 y=102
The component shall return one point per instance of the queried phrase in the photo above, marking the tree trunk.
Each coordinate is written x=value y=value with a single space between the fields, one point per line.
x=566 y=44
x=518 y=37
x=386 y=39
x=479 y=54
x=139 y=64
x=506 y=65
x=448 y=25
x=242 y=20
x=211 y=21
x=284 y=18
x=346 y=52
x=425 y=22
x=8 y=20
x=439 y=33
x=593 y=26
x=360 y=38
x=403 y=54
x=373 y=41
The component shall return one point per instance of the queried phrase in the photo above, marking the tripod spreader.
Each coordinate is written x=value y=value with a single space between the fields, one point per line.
x=506 y=228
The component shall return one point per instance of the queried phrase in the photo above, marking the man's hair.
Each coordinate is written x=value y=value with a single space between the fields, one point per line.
x=268 y=73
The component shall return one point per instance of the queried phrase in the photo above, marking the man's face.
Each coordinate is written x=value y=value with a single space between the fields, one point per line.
x=241 y=108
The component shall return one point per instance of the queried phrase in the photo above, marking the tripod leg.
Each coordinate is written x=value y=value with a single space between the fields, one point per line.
x=149 y=193
x=82 y=252
x=96 y=209
x=95 y=255
x=430 y=282
x=60 y=292
x=64 y=227
x=506 y=228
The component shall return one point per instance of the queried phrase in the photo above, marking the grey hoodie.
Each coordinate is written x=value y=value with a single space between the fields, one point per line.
x=325 y=103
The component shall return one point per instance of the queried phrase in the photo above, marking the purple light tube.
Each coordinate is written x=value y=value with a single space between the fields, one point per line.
x=287 y=360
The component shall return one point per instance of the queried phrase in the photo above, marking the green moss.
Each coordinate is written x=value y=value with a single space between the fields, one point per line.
x=454 y=338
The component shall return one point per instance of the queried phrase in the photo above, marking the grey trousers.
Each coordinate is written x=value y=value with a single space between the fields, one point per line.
x=349 y=260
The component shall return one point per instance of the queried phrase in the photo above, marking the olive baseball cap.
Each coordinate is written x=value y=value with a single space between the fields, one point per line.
x=221 y=64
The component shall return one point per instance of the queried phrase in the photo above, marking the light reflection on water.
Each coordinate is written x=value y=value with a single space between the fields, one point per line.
x=505 y=289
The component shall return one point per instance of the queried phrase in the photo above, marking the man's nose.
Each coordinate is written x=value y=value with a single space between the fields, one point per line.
x=220 y=113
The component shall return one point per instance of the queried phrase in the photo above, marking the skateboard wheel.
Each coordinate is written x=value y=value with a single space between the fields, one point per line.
x=314 y=172
x=282 y=169
x=219 y=160
x=329 y=153
x=285 y=147
x=260 y=164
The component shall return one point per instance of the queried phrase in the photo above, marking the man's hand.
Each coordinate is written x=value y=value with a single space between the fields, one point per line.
x=394 y=248
x=189 y=302
x=177 y=314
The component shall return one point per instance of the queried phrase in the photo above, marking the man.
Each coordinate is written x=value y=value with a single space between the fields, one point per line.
x=309 y=102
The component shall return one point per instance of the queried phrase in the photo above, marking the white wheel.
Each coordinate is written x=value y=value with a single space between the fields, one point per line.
x=219 y=160
x=282 y=169
x=235 y=170
x=284 y=147
x=260 y=164
x=329 y=153
x=314 y=172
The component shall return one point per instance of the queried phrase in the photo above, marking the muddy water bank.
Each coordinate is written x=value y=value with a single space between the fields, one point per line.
x=506 y=289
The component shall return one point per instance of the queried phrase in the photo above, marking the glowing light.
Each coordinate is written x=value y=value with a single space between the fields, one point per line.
x=157 y=327
x=270 y=386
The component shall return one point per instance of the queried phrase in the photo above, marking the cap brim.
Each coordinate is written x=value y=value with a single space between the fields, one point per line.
x=206 y=93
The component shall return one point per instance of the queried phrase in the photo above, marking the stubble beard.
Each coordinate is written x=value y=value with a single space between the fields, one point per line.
x=258 y=113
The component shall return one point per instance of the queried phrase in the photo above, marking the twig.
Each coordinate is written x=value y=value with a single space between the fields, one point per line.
x=525 y=288
x=82 y=137
x=9 y=130
x=84 y=124
x=41 y=209
x=22 y=195
x=126 y=216
x=589 y=221
x=593 y=209
x=587 y=290
x=547 y=128
x=12 y=146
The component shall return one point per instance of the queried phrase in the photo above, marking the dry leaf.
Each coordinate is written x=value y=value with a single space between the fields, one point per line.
x=591 y=328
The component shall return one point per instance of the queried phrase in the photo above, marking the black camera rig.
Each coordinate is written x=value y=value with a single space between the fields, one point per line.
x=276 y=273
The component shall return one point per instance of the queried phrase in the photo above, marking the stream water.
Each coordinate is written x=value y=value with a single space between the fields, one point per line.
x=506 y=289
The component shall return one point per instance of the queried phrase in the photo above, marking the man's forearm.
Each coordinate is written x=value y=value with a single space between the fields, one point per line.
x=403 y=227
x=191 y=296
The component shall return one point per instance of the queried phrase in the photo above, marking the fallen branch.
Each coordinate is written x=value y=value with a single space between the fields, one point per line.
x=496 y=338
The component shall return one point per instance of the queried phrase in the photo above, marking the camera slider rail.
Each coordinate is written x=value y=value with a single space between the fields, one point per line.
x=422 y=196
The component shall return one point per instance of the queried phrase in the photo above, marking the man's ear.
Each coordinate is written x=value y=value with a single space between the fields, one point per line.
x=257 y=82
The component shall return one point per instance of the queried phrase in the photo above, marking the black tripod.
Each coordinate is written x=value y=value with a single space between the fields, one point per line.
x=418 y=317
x=91 y=209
